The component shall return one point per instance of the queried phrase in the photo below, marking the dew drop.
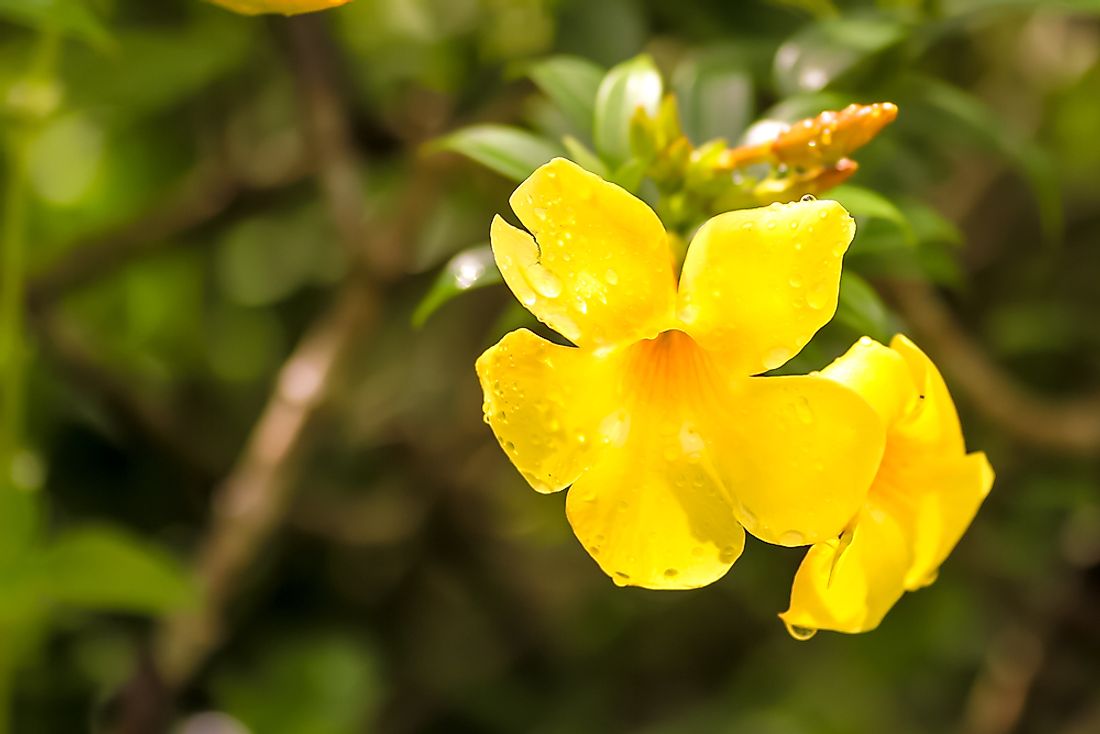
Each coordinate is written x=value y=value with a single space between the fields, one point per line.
x=691 y=442
x=540 y=213
x=770 y=225
x=800 y=633
x=792 y=538
x=746 y=226
x=729 y=554
x=793 y=225
x=544 y=282
x=865 y=341
x=671 y=573
x=688 y=313
x=818 y=296
x=803 y=410
x=795 y=282
x=611 y=277
x=808 y=197
x=510 y=446
x=776 y=357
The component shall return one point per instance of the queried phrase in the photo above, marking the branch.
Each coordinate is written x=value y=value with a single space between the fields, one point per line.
x=1066 y=426
x=251 y=502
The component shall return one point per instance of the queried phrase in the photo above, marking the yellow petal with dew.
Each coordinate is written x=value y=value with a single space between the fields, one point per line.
x=798 y=454
x=545 y=404
x=758 y=283
x=596 y=266
x=654 y=510
x=847 y=584
x=284 y=7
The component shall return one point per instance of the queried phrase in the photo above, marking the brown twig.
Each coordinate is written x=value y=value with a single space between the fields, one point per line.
x=252 y=501
x=1071 y=426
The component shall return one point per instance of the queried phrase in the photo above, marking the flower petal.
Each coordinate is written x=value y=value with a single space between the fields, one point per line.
x=848 y=584
x=949 y=501
x=544 y=403
x=798 y=454
x=936 y=423
x=655 y=518
x=880 y=375
x=758 y=283
x=598 y=268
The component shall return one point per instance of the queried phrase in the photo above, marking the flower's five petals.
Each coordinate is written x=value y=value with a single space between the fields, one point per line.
x=284 y=7
x=758 y=283
x=596 y=266
x=654 y=516
x=545 y=403
x=848 y=583
x=798 y=454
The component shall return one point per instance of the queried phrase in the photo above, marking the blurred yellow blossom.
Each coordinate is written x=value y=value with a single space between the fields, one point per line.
x=284 y=7
x=926 y=492
x=654 y=418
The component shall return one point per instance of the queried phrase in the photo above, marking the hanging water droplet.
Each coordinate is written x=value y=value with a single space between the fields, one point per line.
x=808 y=197
x=800 y=633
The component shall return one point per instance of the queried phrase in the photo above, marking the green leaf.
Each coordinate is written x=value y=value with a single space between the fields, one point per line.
x=865 y=204
x=628 y=86
x=584 y=157
x=67 y=17
x=19 y=523
x=571 y=83
x=104 y=568
x=860 y=309
x=715 y=94
x=824 y=53
x=469 y=269
x=952 y=112
x=509 y=151
x=327 y=683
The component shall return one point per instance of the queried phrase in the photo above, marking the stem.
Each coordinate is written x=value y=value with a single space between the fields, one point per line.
x=12 y=265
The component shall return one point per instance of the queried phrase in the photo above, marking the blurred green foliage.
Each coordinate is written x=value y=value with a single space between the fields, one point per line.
x=416 y=584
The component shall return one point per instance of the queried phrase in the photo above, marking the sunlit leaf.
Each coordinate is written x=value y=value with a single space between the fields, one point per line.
x=68 y=17
x=571 y=83
x=715 y=94
x=821 y=54
x=104 y=568
x=469 y=269
x=510 y=151
x=628 y=86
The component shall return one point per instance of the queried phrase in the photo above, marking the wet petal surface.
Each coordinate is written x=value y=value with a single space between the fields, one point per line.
x=545 y=404
x=758 y=283
x=596 y=266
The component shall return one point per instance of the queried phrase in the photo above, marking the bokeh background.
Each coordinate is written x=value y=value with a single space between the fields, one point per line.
x=229 y=225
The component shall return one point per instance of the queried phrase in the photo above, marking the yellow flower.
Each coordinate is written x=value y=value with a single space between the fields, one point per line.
x=285 y=7
x=926 y=492
x=654 y=419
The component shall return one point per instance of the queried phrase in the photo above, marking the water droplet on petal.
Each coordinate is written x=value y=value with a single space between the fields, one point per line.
x=808 y=197
x=803 y=410
x=544 y=282
x=671 y=573
x=540 y=213
x=818 y=296
x=792 y=538
x=611 y=277
x=777 y=357
x=688 y=313
x=795 y=282
x=800 y=633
